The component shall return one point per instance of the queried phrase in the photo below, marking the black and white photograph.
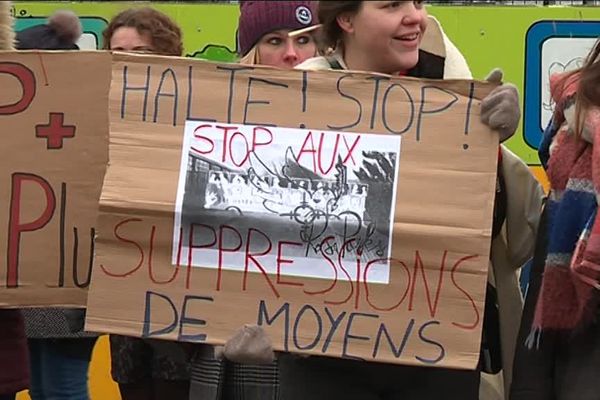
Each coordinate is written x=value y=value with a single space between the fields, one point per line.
x=297 y=202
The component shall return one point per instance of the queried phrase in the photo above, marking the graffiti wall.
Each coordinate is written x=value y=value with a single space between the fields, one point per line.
x=537 y=42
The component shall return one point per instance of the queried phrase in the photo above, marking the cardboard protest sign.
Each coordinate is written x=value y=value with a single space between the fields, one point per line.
x=54 y=122
x=348 y=214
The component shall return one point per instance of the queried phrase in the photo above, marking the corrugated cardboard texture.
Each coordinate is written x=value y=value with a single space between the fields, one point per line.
x=54 y=124
x=431 y=311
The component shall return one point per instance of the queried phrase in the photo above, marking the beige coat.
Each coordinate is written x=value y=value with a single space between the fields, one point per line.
x=514 y=246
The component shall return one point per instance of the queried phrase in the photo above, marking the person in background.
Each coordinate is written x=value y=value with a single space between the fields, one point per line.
x=143 y=30
x=264 y=29
x=59 y=352
x=61 y=32
x=279 y=34
x=558 y=351
x=147 y=369
x=14 y=363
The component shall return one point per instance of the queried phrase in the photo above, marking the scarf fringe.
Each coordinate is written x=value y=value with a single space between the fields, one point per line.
x=534 y=338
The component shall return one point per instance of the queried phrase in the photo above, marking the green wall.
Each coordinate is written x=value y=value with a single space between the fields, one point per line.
x=488 y=36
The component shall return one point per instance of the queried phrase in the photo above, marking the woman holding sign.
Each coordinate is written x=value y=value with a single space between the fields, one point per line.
x=398 y=38
x=147 y=369
x=279 y=34
x=14 y=365
x=60 y=352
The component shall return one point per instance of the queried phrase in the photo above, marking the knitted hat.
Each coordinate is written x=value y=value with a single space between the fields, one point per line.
x=257 y=18
x=60 y=33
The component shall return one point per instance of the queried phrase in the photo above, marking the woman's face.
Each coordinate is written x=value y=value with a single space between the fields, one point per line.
x=277 y=49
x=128 y=38
x=386 y=35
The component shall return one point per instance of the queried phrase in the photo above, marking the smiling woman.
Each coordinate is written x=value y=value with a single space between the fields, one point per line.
x=382 y=36
x=13 y=344
x=398 y=38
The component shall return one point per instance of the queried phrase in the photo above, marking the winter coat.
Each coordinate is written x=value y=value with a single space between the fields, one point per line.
x=513 y=246
x=563 y=361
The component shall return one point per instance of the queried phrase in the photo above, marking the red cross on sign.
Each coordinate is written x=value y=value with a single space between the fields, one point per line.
x=55 y=131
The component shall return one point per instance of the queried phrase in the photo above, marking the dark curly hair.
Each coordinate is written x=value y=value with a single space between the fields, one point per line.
x=165 y=34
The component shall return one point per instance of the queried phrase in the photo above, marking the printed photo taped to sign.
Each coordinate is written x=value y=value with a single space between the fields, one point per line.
x=167 y=268
x=322 y=196
x=54 y=123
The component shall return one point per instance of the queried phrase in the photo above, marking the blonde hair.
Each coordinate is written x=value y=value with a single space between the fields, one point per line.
x=7 y=35
x=252 y=58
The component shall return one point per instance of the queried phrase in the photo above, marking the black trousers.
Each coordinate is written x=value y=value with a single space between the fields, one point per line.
x=323 y=378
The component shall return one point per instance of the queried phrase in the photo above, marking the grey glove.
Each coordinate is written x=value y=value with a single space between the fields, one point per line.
x=500 y=109
x=249 y=345
x=75 y=319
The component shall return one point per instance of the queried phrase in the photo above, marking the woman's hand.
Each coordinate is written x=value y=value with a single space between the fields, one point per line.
x=500 y=109
x=249 y=345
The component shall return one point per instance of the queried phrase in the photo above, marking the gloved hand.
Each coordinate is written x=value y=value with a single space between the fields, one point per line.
x=500 y=109
x=249 y=345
